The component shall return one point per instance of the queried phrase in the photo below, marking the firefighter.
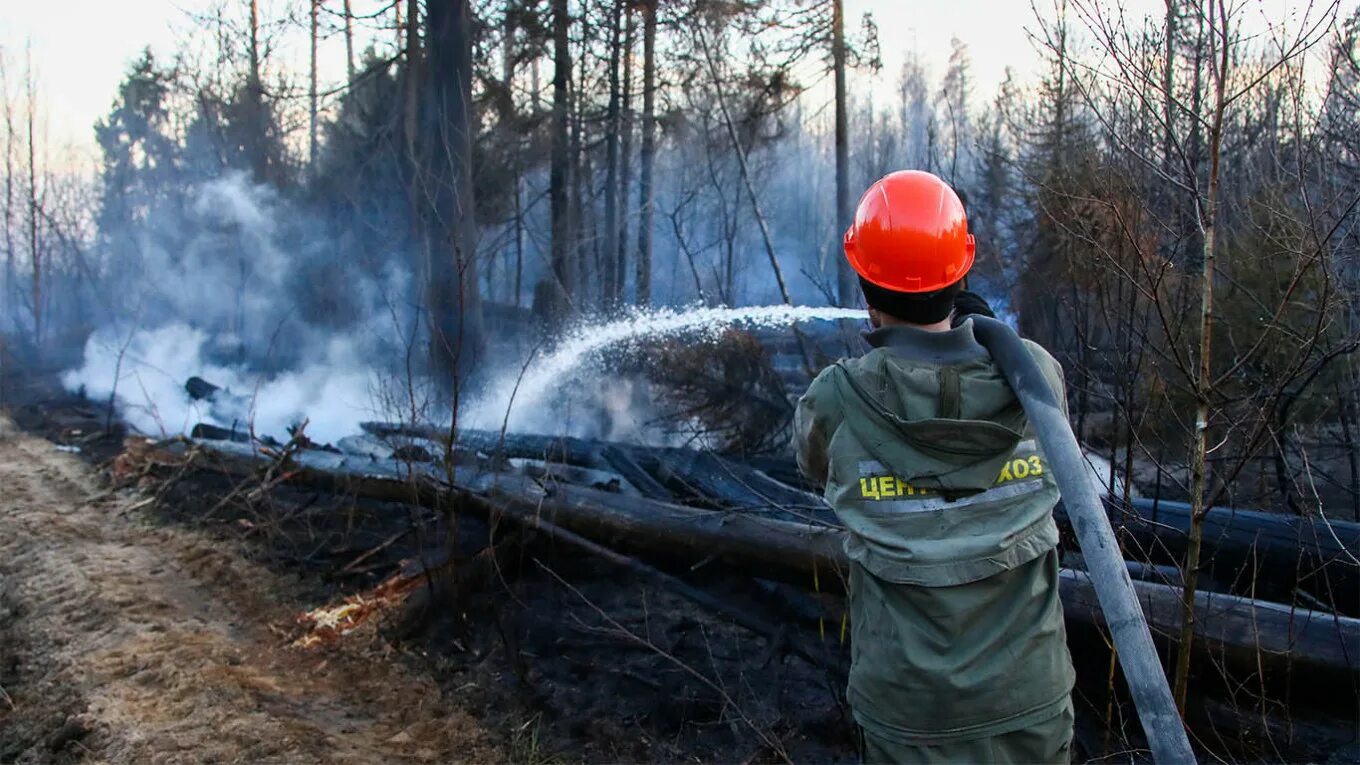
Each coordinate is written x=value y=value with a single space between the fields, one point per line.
x=959 y=652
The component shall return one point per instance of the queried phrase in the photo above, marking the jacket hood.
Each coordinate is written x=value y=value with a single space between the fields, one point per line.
x=932 y=407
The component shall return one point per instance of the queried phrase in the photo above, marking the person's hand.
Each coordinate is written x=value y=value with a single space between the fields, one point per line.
x=970 y=304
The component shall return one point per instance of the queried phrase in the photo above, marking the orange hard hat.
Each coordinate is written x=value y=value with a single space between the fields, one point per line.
x=910 y=234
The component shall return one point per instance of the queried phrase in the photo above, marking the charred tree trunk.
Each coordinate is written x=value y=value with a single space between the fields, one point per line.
x=452 y=292
x=312 y=93
x=847 y=288
x=411 y=103
x=559 y=292
x=1348 y=426
x=581 y=173
x=612 y=277
x=646 y=200
x=508 y=79
x=625 y=155
x=257 y=151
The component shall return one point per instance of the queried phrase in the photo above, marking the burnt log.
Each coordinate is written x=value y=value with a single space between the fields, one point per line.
x=661 y=473
x=707 y=479
x=1289 y=645
x=200 y=389
x=1283 y=558
x=622 y=461
x=1251 y=553
x=212 y=432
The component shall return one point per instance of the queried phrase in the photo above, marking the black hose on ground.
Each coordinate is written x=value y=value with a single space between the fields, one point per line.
x=1105 y=565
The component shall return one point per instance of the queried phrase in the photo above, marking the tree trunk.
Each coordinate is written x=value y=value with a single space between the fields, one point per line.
x=847 y=287
x=536 y=98
x=453 y=295
x=1060 y=97
x=612 y=277
x=508 y=79
x=519 y=240
x=349 y=41
x=1199 y=444
x=254 y=51
x=646 y=200
x=312 y=94
x=1348 y=426
x=580 y=173
x=1168 y=83
x=34 y=248
x=558 y=165
x=413 y=78
x=259 y=164
x=625 y=155
x=10 y=271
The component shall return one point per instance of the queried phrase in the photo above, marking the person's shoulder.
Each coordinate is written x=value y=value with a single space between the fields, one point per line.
x=857 y=367
x=825 y=380
x=824 y=390
x=1041 y=355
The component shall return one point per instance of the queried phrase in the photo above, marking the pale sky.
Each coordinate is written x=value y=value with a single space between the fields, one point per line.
x=80 y=49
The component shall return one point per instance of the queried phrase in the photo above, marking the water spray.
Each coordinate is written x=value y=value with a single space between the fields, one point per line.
x=514 y=398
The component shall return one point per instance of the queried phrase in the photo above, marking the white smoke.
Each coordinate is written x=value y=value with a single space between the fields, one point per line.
x=216 y=294
x=146 y=371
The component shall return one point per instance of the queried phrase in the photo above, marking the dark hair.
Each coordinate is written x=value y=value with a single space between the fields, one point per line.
x=911 y=307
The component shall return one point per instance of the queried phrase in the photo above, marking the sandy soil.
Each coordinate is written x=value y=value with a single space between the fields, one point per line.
x=124 y=642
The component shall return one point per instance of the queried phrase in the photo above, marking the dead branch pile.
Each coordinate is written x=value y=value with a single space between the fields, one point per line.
x=727 y=388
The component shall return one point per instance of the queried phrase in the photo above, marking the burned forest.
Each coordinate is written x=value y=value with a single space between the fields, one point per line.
x=424 y=380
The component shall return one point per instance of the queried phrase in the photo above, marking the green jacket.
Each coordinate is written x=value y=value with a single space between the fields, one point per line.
x=957 y=629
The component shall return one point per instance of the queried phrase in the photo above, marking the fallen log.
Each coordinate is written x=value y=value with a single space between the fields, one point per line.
x=1239 y=627
x=1252 y=553
x=706 y=478
x=1270 y=556
x=622 y=461
x=660 y=473
x=1288 y=644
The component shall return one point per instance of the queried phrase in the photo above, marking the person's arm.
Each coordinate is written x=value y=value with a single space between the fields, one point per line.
x=814 y=423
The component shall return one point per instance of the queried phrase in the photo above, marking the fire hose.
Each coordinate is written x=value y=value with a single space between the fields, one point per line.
x=1105 y=565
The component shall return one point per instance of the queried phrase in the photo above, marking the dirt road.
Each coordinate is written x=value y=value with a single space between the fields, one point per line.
x=125 y=642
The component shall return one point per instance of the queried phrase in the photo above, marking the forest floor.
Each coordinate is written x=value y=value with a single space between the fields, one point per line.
x=154 y=624
x=125 y=642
